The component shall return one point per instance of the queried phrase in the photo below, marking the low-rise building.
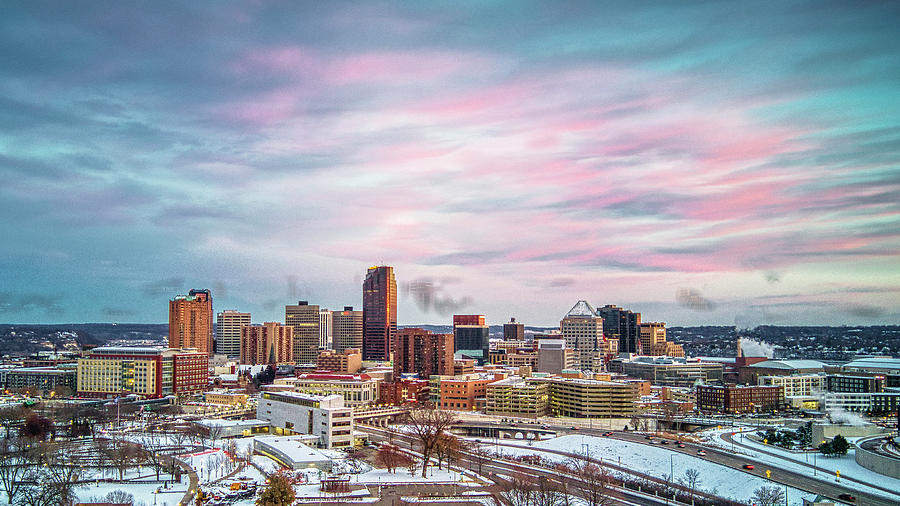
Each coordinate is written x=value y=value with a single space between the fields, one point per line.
x=349 y=361
x=739 y=399
x=796 y=385
x=461 y=393
x=668 y=371
x=404 y=390
x=588 y=398
x=750 y=374
x=225 y=398
x=873 y=403
x=291 y=413
x=515 y=396
x=146 y=371
x=847 y=383
x=356 y=389
x=42 y=379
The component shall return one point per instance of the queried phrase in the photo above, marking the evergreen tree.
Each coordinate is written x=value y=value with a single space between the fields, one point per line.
x=839 y=445
x=280 y=492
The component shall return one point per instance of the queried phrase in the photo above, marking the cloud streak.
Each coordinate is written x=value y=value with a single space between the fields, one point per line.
x=595 y=152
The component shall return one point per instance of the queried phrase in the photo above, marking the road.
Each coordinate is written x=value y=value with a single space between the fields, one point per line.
x=779 y=475
x=619 y=496
x=722 y=457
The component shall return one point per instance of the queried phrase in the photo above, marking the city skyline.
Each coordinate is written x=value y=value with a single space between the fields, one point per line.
x=726 y=164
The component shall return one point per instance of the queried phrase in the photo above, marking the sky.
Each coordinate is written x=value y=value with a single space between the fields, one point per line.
x=728 y=163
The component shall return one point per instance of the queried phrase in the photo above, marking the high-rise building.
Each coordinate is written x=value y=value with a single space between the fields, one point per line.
x=304 y=317
x=422 y=352
x=513 y=331
x=621 y=325
x=471 y=338
x=582 y=330
x=228 y=332
x=347 y=329
x=270 y=343
x=325 y=332
x=468 y=319
x=191 y=321
x=379 y=313
x=652 y=333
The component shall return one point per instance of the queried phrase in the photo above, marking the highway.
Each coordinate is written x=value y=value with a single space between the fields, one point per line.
x=619 y=496
x=725 y=458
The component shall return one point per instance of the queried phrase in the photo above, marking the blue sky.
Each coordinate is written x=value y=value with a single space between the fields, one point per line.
x=709 y=162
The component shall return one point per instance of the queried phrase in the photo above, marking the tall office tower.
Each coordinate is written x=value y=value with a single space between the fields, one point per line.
x=422 y=352
x=471 y=338
x=513 y=331
x=228 y=332
x=305 y=320
x=191 y=321
x=582 y=330
x=468 y=319
x=379 y=313
x=270 y=343
x=347 y=329
x=621 y=325
x=325 y=335
x=653 y=334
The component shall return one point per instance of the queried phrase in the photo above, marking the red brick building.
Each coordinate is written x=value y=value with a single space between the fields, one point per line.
x=739 y=399
x=419 y=351
x=191 y=321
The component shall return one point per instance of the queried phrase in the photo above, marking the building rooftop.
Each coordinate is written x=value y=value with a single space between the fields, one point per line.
x=124 y=350
x=581 y=309
x=788 y=364
x=305 y=397
x=875 y=363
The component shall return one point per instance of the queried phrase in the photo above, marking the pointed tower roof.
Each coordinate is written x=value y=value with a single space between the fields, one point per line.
x=581 y=308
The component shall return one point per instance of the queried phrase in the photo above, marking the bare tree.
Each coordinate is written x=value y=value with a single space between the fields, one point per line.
x=593 y=481
x=119 y=497
x=387 y=457
x=691 y=480
x=13 y=464
x=517 y=491
x=121 y=454
x=448 y=447
x=427 y=425
x=152 y=446
x=548 y=493
x=767 y=496
x=480 y=456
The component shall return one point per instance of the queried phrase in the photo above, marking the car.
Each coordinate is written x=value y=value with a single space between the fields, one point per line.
x=608 y=434
x=545 y=426
x=847 y=497
x=749 y=467
x=701 y=453
x=648 y=437
x=574 y=427
x=665 y=441
x=681 y=445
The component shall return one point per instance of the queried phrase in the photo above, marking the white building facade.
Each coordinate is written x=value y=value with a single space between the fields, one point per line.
x=298 y=413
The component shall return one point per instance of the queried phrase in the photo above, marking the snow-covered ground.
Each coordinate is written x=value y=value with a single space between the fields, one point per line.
x=721 y=480
x=144 y=488
x=794 y=461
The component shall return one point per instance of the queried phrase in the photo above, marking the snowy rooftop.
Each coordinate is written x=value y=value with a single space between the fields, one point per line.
x=875 y=363
x=220 y=422
x=293 y=447
x=788 y=364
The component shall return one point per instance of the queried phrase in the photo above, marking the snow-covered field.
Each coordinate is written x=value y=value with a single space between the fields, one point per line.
x=721 y=480
x=795 y=462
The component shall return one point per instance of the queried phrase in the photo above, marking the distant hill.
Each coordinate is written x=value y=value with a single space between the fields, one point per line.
x=23 y=340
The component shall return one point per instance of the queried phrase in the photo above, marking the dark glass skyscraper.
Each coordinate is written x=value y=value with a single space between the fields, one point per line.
x=622 y=325
x=379 y=313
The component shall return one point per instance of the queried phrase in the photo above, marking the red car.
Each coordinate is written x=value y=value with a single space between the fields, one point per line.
x=748 y=466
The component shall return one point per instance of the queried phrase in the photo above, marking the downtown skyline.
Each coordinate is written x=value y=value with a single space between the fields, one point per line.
x=700 y=163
